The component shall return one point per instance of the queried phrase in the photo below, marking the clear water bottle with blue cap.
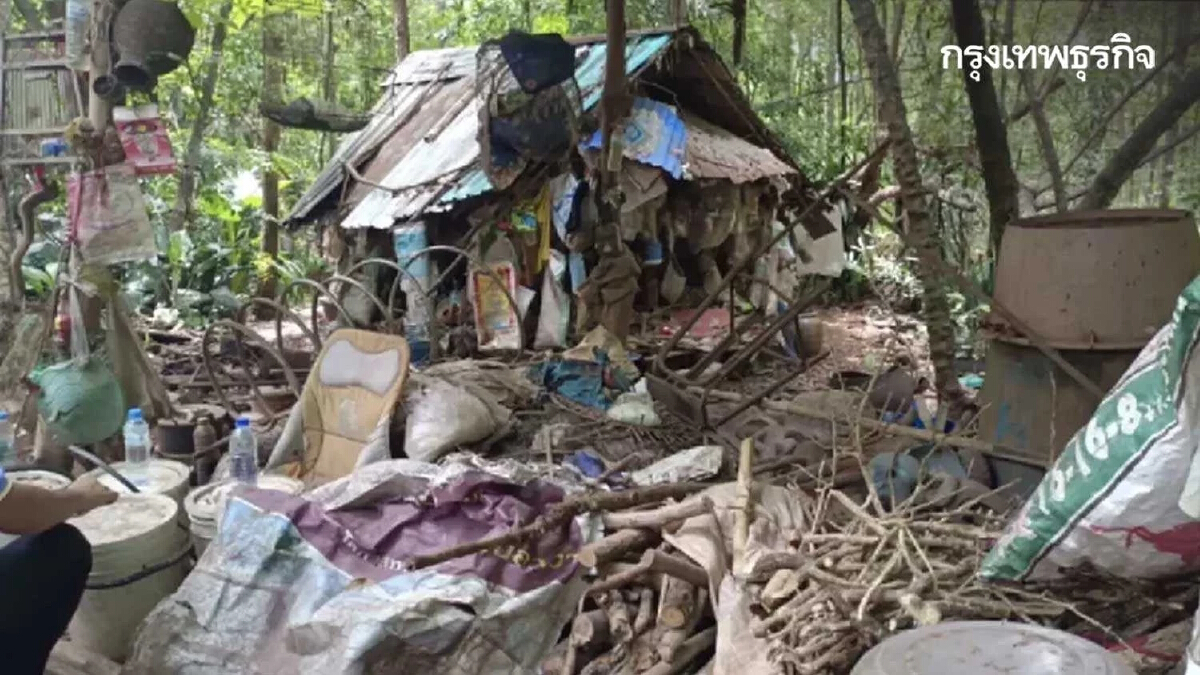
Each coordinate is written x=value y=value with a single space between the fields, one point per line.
x=137 y=446
x=243 y=453
x=8 y=447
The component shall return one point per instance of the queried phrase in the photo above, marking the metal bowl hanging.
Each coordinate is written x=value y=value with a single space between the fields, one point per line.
x=152 y=38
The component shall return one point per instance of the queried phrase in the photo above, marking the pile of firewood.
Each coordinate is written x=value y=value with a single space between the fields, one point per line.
x=863 y=572
x=650 y=617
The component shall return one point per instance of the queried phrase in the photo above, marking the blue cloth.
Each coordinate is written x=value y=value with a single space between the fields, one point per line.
x=578 y=381
x=588 y=463
x=654 y=135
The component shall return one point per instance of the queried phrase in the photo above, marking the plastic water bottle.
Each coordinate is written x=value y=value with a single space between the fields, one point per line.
x=8 y=448
x=137 y=446
x=243 y=453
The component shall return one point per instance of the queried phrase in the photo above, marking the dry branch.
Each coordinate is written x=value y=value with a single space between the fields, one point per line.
x=687 y=652
x=657 y=519
x=615 y=546
x=558 y=514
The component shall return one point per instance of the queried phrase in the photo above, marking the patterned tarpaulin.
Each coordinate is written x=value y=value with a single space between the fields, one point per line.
x=318 y=584
x=654 y=134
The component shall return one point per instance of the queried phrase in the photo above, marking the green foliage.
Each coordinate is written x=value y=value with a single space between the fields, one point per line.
x=790 y=73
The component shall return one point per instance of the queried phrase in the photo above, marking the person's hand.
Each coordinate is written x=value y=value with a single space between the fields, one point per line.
x=92 y=493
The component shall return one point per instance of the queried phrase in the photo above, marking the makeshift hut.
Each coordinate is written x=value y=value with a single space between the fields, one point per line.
x=704 y=181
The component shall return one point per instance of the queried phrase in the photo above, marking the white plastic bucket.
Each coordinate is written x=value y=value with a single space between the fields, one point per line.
x=139 y=557
x=162 y=477
x=38 y=478
x=205 y=505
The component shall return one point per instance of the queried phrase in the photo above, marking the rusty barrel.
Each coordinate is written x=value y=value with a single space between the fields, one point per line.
x=1097 y=279
x=1096 y=285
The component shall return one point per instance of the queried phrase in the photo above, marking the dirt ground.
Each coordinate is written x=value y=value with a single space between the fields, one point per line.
x=867 y=338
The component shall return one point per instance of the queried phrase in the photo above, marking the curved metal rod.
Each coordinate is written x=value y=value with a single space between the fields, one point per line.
x=320 y=290
x=385 y=311
x=253 y=338
x=279 y=310
x=395 y=266
x=86 y=457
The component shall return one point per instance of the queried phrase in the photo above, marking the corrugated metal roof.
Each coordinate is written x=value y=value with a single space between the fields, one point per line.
x=713 y=152
x=432 y=164
x=399 y=105
x=439 y=166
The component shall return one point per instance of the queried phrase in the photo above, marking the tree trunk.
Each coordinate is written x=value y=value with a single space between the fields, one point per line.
x=991 y=137
x=329 y=85
x=1010 y=14
x=1125 y=160
x=400 y=25
x=272 y=92
x=898 y=32
x=908 y=174
x=1183 y=24
x=738 y=9
x=191 y=158
x=1045 y=135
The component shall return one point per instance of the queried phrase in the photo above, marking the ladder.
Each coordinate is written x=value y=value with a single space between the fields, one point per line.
x=39 y=96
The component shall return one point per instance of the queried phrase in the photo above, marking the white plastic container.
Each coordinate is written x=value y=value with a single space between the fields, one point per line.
x=139 y=557
x=38 y=478
x=205 y=505
x=988 y=648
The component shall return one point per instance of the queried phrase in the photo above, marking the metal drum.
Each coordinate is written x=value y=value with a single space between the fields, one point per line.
x=1096 y=279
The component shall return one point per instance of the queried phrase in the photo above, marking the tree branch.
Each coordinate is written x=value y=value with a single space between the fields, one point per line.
x=1141 y=142
x=1102 y=124
x=991 y=137
x=1175 y=142
x=1025 y=107
x=1046 y=142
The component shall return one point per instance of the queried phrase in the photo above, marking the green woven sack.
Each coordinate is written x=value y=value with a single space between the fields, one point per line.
x=80 y=400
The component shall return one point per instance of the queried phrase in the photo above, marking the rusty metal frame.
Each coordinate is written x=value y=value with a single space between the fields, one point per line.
x=795 y=308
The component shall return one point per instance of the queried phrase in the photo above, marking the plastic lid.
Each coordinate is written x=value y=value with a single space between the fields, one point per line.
x=243 y=422
x=134 y=415
x=988 y=648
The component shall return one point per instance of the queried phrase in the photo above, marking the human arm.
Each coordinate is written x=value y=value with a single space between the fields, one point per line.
x=26 y=509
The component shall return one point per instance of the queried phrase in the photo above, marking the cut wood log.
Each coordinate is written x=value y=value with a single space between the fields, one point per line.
x=673 y=638
x=783 y=585
x=675 y=602
x=615 y=546
x=620 y=627
x=675 y=566
x=645 y=614
x=687 y=652
x=657 y=519
x=590 y=629
x=653 y=560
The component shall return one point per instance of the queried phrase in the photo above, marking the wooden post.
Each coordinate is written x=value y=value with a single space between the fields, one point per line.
x=99 y=110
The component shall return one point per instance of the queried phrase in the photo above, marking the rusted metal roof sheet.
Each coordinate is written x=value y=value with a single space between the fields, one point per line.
x=417 y=83
x=427 y=149
x=431 y=165
x=713 y=152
